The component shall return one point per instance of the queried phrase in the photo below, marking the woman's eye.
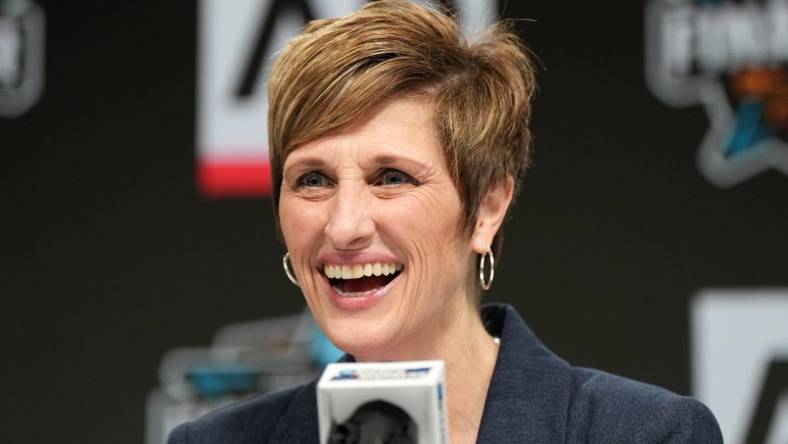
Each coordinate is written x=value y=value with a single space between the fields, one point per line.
x=395 y=177
x=312 y=180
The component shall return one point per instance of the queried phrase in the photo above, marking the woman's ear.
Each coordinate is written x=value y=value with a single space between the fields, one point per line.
x=491 y=214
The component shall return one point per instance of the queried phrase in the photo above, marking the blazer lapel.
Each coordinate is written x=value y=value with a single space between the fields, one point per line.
x=299 y=422
x=529 y=393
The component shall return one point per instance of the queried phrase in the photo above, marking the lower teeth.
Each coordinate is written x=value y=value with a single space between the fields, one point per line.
x=357 y=294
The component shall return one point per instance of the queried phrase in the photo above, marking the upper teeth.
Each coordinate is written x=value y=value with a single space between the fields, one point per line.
x=356 y=271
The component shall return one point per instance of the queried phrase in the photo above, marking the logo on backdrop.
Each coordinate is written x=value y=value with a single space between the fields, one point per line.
x=731 y=57
x=740 y=362
x=236 y=44
x=21 y=56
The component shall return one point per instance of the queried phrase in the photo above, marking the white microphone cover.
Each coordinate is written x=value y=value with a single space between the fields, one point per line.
x=399 y=402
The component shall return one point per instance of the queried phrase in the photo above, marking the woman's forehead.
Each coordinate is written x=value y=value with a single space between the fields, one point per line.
x=401 y=129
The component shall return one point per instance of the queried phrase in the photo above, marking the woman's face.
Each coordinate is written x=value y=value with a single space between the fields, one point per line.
x=372 y=221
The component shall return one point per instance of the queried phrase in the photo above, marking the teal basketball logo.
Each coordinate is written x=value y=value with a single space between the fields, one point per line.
x=731 y=57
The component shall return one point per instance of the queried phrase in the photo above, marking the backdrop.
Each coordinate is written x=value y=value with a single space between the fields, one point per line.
x=113 y=253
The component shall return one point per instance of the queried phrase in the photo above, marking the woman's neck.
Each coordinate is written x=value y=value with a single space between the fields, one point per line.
x=468 y=374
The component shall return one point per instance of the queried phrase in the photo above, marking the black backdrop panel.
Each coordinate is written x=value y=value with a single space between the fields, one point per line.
x=111 y=257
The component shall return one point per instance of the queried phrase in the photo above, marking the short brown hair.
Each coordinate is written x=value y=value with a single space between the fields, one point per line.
x=338 y=69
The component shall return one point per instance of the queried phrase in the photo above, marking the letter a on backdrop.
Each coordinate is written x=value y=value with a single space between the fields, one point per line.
x=237 y=43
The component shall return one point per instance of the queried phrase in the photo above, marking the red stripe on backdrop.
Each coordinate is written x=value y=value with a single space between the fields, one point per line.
x=239 y=179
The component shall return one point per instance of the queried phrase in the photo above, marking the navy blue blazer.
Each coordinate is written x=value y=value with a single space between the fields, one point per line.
x=534 y=397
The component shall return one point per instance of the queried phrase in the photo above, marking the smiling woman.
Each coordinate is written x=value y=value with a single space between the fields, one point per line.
x=396 y=150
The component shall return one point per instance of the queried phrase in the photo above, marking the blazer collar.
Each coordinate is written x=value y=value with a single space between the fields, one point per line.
x=529 y=393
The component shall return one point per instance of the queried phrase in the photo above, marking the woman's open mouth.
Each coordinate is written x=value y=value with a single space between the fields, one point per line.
x=359 y=280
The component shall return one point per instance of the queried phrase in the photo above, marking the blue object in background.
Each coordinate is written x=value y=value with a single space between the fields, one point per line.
x=214 y=381
x=323 y=351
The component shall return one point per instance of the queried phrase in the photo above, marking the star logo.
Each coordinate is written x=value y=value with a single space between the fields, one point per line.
x=731 y=58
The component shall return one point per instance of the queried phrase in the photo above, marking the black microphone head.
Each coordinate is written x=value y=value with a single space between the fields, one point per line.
x=375 y=422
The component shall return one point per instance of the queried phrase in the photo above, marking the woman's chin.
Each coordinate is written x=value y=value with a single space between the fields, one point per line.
x=363 y=339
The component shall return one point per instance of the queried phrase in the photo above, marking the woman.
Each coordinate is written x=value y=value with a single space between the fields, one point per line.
x=396 y=151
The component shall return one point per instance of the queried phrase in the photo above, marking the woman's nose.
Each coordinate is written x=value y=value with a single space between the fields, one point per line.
x=350 y=224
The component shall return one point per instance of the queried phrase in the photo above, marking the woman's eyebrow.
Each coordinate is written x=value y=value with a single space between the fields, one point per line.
x=391 y=160
x=304 y=162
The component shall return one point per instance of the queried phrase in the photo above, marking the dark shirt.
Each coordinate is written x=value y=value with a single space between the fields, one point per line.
x=534 y=397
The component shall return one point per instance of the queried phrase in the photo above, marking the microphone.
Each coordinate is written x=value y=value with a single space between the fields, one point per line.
x=383 y=402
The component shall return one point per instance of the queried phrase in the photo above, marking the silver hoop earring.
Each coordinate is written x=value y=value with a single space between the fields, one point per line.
x=486 y=283
x=286 y=265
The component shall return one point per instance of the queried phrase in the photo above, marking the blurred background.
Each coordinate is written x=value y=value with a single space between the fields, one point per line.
x=650 y=240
